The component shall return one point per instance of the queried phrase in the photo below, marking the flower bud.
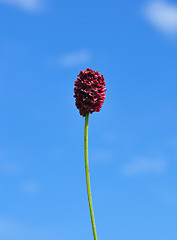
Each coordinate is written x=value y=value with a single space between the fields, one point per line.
x=89 y=91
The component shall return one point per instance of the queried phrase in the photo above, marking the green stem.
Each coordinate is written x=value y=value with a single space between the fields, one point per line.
x=88 y=177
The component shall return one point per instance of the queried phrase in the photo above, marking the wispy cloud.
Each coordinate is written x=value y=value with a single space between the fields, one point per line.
x=143 y=166
x=101 y=156
x=30 y=187
x=7 y=164
x=75 y=59
x=9 y=168
x=162 y=15
x=14 y=229
x=28 y=5
x=170 y=196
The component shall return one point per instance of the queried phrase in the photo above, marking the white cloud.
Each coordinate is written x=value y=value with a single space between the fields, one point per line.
x=162 y=15
x=28 y=5
x=143 y=166
x=75 y=59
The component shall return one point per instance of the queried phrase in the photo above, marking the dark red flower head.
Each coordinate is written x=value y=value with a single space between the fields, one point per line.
x=89 y=91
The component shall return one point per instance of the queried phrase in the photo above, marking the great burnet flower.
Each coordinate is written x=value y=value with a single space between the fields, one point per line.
x=89 y=95
x=89 y=91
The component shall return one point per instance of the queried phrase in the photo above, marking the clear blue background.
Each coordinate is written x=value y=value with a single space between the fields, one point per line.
x=132 y=141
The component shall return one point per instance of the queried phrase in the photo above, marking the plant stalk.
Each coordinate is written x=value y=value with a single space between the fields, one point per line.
x=88 y=177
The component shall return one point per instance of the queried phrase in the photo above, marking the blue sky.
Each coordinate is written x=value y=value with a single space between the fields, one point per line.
x=132 y=141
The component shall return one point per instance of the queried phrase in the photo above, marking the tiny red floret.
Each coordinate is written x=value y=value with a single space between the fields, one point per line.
x=89 y=91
